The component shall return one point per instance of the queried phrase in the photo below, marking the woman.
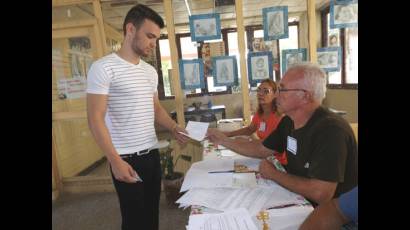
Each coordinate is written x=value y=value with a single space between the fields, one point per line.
x=267 y=117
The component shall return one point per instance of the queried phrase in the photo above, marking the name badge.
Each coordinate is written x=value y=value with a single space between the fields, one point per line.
x=292 y=145
x=262 y=127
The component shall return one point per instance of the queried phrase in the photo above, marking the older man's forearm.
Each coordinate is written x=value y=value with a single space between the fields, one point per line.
x=252 y=148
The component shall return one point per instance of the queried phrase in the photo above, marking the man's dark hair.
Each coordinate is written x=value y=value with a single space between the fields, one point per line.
x=137 y=14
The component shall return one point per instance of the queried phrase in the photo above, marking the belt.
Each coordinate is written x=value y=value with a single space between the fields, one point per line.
x=139 y=153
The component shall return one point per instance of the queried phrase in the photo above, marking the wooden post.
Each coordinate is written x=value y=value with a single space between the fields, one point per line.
x=242 y=61
x=55 y=169
x=179 y=104
x=312 y=30
x=100 y=23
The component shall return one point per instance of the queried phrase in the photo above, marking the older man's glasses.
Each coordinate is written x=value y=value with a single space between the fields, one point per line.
x=264 y=91
x=280 y=90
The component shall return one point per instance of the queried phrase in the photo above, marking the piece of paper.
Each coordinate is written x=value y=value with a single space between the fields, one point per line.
x=225 y=199
x=251 y=163
x=196 y=130
x=239 y=219
x=244 y=180
x=201 y=170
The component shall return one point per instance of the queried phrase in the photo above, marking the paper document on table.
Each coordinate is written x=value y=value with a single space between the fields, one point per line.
x=285 y=218
x=244 y=180
x=239 y=219
x=214 y=165
x=201 y=170
x=225 y=199
x=250 y=163
x=196 y=130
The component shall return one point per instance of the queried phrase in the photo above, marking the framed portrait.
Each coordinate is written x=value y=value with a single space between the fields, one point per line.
x=343 y=14
x=225 y=71
x=329 y=58
x=291 y=57
x=260 y=66
x=258 y=44
x=275 y=23
x=205 y=27
x=333 y=39
x=191 y=73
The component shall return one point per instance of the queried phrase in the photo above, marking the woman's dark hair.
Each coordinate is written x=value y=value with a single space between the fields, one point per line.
x=137 y=14
x=274 y=87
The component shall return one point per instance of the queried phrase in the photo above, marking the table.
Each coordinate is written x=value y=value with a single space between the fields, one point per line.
x=210 y=152
x=203 y=110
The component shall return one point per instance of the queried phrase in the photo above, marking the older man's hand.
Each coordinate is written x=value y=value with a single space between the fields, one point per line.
x=267 y=169
x=215 y=136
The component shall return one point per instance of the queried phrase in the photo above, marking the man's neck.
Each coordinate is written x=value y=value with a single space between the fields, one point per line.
x=127 y=54
x=301 y=116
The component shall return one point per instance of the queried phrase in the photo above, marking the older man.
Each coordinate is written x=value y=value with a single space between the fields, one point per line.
x=320 y=145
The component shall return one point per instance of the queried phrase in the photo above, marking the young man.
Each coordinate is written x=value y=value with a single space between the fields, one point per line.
x=122 y=106
x=320 y=146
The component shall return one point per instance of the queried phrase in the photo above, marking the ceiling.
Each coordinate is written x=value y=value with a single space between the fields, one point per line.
x=114 y=11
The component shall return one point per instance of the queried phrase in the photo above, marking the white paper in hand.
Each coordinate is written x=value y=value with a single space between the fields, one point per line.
x=196 y=130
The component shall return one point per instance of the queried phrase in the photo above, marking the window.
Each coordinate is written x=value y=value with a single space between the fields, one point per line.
x=276 y=46
x=292 y=42
x=166 y=65
x=187 y=51
x=192 y=50
x=347 y=38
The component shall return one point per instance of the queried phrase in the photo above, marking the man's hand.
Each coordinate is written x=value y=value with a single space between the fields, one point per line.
x=266 y=169
x=182 y=139
x=124 y=172
x=215 y=136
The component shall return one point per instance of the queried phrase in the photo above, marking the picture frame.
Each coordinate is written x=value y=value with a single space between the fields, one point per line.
x=275 y=23
x=225 y=71
x=259 y=66
x=205 y=27
x=329 y=58
x=291 y=57
x=191 y=73
x=343 y=14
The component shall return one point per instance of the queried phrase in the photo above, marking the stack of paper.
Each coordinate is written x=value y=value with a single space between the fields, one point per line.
x=238 y=219
x=198 y=175
x=226 y=199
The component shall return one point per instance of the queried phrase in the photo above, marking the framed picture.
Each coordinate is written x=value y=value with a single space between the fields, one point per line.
x=205 y=27
x=260 y=66
x=333 y=39
x=291 y=57
x=225 y=71
x=258 y=44
x=191 y=73
x=329 y=58
x=343 y=14
x=275 y=23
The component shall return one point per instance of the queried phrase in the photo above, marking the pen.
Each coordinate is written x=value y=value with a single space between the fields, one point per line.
x=284 y=206
x=228 y=171
x=233 y=171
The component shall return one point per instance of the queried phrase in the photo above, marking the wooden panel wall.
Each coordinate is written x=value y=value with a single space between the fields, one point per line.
x=76 y=149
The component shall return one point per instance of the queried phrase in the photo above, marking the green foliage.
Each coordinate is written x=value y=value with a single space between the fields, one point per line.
x=168 y=164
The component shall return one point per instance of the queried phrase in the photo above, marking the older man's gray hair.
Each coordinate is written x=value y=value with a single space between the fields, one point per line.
x=314 y=79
